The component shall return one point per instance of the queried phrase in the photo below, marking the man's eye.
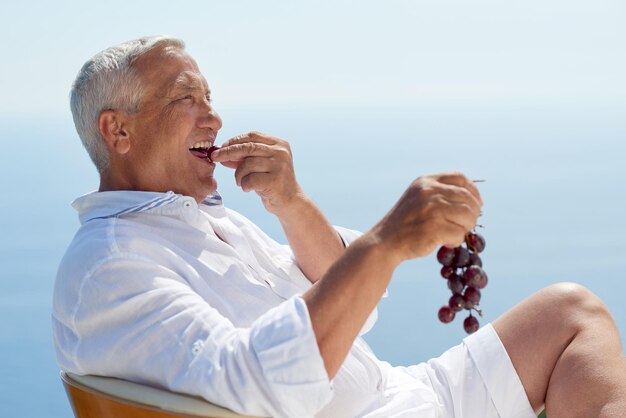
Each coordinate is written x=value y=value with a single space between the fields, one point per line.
x=208 y=98
x=180 y=99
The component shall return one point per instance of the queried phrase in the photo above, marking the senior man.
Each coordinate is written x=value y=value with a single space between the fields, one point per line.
x=164 y=285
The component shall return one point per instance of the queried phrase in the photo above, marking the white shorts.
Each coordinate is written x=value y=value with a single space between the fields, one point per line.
x=476 y=379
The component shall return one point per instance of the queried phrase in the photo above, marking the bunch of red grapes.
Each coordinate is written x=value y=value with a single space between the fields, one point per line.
x=462 y=268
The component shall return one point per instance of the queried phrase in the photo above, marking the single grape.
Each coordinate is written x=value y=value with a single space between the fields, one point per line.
x=471 y=324
x=446 y=315
x=475 y=242
x=447 y=271
x=483 y=281
x=455 y=284
x=475 y=260
x=445 y=256
x=471 y=296
x=461 y=257
x=456 y=302
x=210 y=151
x=473 y=276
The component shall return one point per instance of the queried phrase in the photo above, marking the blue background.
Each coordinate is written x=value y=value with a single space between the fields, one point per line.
x=530 y=97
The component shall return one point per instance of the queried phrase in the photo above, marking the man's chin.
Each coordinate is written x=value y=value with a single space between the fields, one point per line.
x=209 y=188
x=200 y=190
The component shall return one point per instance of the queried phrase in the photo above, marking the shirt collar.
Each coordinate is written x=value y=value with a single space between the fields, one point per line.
x=101 y=205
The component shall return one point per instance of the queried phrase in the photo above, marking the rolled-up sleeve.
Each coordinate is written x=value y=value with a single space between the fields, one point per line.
x=131 y=329
x=272 y=368
x=287 y=350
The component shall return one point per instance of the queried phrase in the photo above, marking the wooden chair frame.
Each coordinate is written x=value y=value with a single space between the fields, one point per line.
x=106 y=397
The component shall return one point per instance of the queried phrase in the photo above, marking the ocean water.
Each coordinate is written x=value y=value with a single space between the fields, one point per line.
x=555 y=195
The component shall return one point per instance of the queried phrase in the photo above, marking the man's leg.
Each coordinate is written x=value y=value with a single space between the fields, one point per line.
x=567 y=352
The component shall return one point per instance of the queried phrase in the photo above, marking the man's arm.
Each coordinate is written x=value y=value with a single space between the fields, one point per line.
x=264 y=164
x=434 y=210
x=314 y=242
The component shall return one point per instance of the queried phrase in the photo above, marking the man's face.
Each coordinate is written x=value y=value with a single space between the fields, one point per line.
x=175 y=115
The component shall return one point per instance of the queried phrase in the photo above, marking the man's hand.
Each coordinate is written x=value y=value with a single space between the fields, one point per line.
x=435 y=210
x=264 y=164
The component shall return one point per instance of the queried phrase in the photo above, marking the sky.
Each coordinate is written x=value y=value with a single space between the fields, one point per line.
x=530 y=95
x=333 y=52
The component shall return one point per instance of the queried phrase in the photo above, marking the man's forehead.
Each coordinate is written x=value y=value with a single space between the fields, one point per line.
x=172 y=69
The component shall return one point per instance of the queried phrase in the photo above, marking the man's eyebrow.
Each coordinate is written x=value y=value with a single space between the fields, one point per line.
x=184 y=84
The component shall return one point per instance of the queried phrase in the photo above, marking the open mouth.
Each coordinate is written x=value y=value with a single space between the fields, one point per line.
x=203 y=150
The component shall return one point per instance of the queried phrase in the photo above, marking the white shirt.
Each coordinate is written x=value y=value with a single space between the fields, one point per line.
x=148 y=292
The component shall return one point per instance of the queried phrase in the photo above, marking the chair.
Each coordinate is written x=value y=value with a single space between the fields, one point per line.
x=106 y=397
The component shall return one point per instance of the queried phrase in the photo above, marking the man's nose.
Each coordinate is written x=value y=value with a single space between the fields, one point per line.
x=210 y=119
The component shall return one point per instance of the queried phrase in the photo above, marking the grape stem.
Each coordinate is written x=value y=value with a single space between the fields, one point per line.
x=478 y=310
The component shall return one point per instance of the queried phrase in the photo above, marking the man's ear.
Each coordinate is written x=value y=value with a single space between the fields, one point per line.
x=112 y=129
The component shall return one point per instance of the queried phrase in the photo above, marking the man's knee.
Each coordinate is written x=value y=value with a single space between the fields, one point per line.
x=576 y=304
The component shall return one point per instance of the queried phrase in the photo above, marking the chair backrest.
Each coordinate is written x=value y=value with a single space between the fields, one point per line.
x=106 y=397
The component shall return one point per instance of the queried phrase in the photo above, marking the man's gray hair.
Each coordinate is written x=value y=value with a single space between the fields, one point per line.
x=108 y=81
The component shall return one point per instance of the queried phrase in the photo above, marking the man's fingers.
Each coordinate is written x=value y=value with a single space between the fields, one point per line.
x=460 y=195
x=452 y=235
x=460 y=214
x=252 y=165
x=251 y=137
x=236 y=152
x=256 y=181
x=460 y=180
